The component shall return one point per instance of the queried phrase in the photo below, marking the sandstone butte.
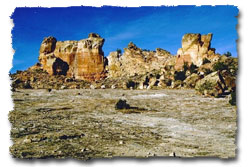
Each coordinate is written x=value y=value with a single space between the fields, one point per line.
x=195 y=48
x=85 y=59
x=82 y=59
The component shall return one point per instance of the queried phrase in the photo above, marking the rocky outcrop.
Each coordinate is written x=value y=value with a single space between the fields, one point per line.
x=217 y=84
x=191 y=80
x=135 y=61
x=76 y=64
x=82 y=59
x=36 y=78
x=195 y=48
x=114 y=64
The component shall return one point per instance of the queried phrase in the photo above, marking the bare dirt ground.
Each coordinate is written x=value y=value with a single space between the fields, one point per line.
x=84 y=124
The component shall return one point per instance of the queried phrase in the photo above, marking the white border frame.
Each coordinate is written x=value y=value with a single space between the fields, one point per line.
x=243 y=139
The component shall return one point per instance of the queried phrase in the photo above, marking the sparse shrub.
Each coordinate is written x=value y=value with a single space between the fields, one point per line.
x=27 y=85
x=158 y=76
x=180 y=75
x=113 y=67
x=146 y=81
x=228 y=54
x=205 y=61
x=19 y=71
x=232 y=67
x=145 y=50
x=39 y=70
x=177 y=84
x=122 y=104
x=232 y=100
x=219 y=66
x=207 y=71
x=168 y=82
x=185 y=66
x=234 y=70
x=207 y=85
x=193 y=68
x=132 y=84
x=119 y=51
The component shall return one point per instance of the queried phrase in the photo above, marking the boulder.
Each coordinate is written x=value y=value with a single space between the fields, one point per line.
x=210 y=85
x=152 y=82
x=229 y=80
x=92 y=87
x=141 y=86
x=113 y=86
x=161 y=81
x=191 y=80
x=176 y=84
x=216 y=84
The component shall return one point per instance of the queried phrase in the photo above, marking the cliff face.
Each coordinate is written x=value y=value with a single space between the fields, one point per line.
x=195 y=47
x=82 y=59
x=136 y=61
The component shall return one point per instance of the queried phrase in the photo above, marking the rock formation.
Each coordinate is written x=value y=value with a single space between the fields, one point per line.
x=76 y=64
x=36 y=78
x=82 y=59
x=135 y=61
x=195 y=48
x=216 y=84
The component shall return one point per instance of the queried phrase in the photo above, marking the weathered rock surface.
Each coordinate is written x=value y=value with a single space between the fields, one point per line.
x=82 y=59
x=36 y=78
x=195 y=47
x=135 y=61
x=191 y=80
x=114 y=64
x=216 y=84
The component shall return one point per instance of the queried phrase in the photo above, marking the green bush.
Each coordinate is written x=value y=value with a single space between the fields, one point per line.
x=219 y=66
x=207 y=85
x=232 y=100
x=145 y=50
x=185 y=66
x=193 y=68
x=122 y=104
x=180 y=75
x=132 y=84
x=119 y=51
x=228 y=54
x=232 y=66
x=207 y=71
x=234 y=71
x=205 y=61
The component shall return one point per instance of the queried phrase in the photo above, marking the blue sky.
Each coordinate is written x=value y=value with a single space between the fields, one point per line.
x=148 y=27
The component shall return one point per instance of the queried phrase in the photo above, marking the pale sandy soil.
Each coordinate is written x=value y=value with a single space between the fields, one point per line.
x=84 y=124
